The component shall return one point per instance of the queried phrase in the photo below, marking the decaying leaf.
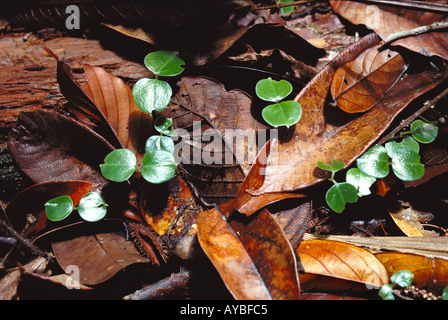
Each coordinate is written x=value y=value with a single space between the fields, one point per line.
x=49 y=146
x=428 y=272
x=410 y=220
x=252 y=256
x=360 y=84
x=103 y=243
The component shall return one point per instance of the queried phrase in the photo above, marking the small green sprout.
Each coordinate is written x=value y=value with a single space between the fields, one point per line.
x=402 y=279
x=91 y=207
x=281 y=113
x=340 y=193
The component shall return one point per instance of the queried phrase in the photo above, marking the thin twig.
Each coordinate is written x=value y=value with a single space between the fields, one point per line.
x=21 y=241
x=415 y=32
x=412 y=117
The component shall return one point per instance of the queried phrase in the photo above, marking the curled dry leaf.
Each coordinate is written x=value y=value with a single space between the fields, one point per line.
x=340 y=260
x=360 y=84
x=386 y=20
x=252 y=256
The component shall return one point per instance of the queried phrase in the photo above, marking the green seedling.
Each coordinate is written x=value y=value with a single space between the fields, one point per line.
x=158 y=164
x=423 y=131
x=286 y=10
x=91 y=207
x=281 y=113
x=402 y=279
x=340 y=193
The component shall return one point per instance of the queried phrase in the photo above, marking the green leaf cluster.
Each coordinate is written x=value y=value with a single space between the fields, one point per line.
x=92 y=207
x=281 y=113
x=402 y=278
x=150 y=95
x=375 y=163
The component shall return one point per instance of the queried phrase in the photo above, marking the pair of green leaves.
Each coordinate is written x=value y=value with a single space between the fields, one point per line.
x=402 y=278
x=405 y=160
x=91 y=207
x=158 y=164
x=154 y=94
x=282 y=113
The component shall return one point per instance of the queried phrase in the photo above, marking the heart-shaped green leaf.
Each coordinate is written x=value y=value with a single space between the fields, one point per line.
x=424 y=132
x=406 y=165
x=164 y=63
x=386 y=292
x=92 y=207
x=374 y=162
x=339 y=194
x=285 y=113
x=272 y=90
x=333 y=166
x=59 y=208
x=119 y=165
x=408 y=142
x=360 y=180
x=158 y=166
x=159 y=143
x=151 y=94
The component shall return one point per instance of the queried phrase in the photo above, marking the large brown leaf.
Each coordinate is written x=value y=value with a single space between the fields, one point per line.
x=99 y=250
x=49 y=146
x=316 y=137
x=386 y=20
x=252 y=255
x=360 y=84
x=341 y=260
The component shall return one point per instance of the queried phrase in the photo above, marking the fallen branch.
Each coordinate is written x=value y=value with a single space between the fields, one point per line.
x=171 y=286
x=415 y=32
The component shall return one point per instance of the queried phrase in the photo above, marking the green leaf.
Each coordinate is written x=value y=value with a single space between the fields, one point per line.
x=272 y=90
x=386 y=292
x=285 y=113
x=424 y=132
x=360 y=180
x=408 y=142
x=445 y=293
x=374 y=162
x=92 y=207
x=158 y=166
x=164 y=63
x=402 y=278
x=164 y=125
x=159 y=143
x=333 y=166
x=339 y=194
x=119 y=165
x=286 y=10
x=151 y=94
x=406 y=165
x=59 y=208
